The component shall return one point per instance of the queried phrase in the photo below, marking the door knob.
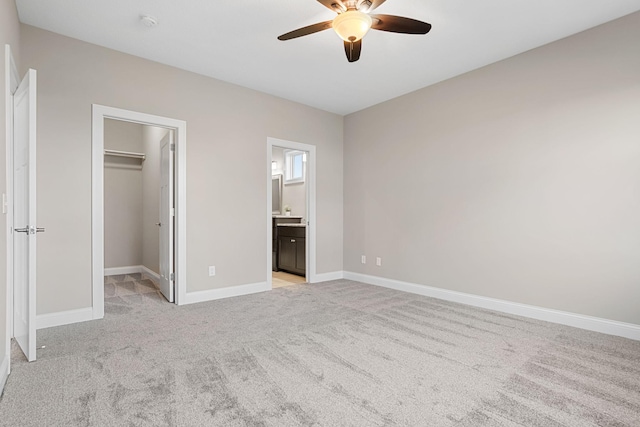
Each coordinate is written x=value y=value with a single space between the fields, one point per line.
x=159 y=224
x=30 y=230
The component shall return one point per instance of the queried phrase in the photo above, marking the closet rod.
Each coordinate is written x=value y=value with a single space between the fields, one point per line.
x=129 y=154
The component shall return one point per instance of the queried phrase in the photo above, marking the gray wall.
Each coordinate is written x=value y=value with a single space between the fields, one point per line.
x=131 y=196
x=151 y=137
x=228 y=128
x=123 y=195
x=123 y=136
x=518 y=181
x=9 y=34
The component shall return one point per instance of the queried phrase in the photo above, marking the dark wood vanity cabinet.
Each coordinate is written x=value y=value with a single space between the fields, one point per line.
x=279 y=219
x=292 y=250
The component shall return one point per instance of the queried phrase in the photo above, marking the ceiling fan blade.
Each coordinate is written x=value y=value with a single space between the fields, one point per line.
x=352 y=49
x=399 y=24
x=336 y=5
x=305 y=31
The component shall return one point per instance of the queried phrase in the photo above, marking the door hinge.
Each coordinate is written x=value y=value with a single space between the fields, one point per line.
x=171 y=277
x=173 y=211
x=172 y=147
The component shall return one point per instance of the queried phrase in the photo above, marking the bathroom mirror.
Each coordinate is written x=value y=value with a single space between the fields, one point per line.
x=276 y=194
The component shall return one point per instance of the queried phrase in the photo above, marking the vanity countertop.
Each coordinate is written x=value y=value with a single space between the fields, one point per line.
x=287 y=216
x=293 y=224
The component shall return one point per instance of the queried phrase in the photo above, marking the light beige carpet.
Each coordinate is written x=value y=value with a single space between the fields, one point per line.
x=338 y=353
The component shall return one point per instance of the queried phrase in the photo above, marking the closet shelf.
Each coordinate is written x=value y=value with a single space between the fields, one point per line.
x=128 y=154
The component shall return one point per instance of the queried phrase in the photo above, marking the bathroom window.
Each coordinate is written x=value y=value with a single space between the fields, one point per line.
x=295 y=163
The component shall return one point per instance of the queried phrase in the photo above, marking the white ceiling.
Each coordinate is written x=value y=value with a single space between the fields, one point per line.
x=235 y=40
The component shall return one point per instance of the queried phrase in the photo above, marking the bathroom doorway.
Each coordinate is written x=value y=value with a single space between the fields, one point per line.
x=291 y=213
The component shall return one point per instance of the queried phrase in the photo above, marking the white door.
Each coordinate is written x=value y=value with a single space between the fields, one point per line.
x=24 y=215
x=166 y=216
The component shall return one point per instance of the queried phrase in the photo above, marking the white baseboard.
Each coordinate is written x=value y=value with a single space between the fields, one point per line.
x=605 y=326
x=4 y=372
x=63 y=318
x=149 y=272
x=231 y=291
x=131 y=269
x=114 y=271
x=325 y=277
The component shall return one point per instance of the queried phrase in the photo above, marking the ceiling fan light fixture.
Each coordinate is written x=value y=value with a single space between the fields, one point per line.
x=352 y=25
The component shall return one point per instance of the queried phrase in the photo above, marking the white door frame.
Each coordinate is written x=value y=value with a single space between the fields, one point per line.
x=99 y=114
x=311 y=206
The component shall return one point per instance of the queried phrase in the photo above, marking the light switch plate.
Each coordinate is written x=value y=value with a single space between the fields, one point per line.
x=212 y=270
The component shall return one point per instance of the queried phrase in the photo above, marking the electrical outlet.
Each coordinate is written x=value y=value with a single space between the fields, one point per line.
x=378 y=261
x=212 y=270
x=364 y=259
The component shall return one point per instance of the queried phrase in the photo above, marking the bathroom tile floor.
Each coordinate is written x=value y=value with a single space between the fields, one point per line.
x=280 y=279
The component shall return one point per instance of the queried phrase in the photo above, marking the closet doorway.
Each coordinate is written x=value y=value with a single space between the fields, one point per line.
x=138 y=206
x=138 y=198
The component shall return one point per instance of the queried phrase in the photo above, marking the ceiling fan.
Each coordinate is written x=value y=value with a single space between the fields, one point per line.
x=353 y=22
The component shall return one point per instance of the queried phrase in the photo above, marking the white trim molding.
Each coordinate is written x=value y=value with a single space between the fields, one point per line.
x=131 y=269
x=325 y=277
x=115 y=271
x=50 y=320
x=228 y=292
x=596 y=324
x=149 y=272
x=4 y=372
